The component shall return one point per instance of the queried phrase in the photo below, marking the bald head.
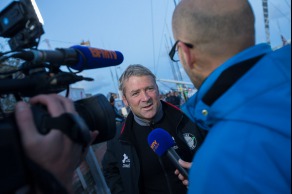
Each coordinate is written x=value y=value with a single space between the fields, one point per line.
x=215 y=25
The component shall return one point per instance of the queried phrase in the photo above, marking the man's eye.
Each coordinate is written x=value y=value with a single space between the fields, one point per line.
x=135 y=94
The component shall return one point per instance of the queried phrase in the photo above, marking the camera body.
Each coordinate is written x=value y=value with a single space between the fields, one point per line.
x=21 y=25
x=21 y=19
x=19 y=22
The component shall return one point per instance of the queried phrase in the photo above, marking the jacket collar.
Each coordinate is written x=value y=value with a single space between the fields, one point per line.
x=167 y=109
x=156 y=118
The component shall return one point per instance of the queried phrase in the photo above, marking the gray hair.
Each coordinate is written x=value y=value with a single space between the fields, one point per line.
x=134 y=70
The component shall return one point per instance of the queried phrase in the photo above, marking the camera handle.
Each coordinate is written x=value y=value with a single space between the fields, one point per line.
x=70 y=124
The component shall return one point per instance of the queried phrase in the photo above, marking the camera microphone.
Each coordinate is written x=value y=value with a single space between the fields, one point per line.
x=161 y=142
x=76 y=57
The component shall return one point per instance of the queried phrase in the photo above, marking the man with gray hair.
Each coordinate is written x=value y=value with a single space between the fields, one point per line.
x=243 y=99
x=130 y=166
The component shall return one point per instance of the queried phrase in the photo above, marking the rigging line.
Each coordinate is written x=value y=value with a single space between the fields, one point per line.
x=168 y=32
x=285 y=15
x=153 y=47
x=174 y=3
x=161 y=40
x=289 y=5
x=279 y=29
x=58 y=41
x=114 y=82
x=170 y=61
x=168 y=29
x=165 y=85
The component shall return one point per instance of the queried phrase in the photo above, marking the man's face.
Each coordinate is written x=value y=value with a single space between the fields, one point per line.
x=187 y=70
x=142 y=95
x=198 y=73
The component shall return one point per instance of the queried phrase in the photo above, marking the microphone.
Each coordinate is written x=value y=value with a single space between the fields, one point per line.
x=161 y=142
x=76 y=57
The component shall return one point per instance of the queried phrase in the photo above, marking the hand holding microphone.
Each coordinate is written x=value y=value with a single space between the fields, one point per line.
x=161 y=142
x=186 y=165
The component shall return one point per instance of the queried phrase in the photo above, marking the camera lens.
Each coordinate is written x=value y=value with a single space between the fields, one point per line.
x=98 y=115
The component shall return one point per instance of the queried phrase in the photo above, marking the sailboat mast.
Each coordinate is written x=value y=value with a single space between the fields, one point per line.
x=266 y=19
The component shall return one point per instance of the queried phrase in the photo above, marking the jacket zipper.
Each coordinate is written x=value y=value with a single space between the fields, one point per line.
x=166 y=177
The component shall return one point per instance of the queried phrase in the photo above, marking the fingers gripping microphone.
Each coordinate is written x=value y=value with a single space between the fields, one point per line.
x=76 y=57
x=161 y=142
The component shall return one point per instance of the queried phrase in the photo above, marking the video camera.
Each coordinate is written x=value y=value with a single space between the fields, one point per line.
x=26 y=71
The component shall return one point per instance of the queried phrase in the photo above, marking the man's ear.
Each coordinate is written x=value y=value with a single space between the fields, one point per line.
x=125 y=101
x=187 y=54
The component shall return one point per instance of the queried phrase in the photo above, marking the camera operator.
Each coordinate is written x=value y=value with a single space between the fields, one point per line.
x=51 y=158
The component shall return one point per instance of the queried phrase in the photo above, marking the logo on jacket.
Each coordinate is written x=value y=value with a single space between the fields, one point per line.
x=126 y=161
x=191 y=140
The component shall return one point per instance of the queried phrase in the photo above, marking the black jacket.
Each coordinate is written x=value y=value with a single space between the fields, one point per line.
x=121 y=165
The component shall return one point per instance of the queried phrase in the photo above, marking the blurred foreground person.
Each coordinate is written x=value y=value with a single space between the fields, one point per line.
x=243 y=99
x=50 y=159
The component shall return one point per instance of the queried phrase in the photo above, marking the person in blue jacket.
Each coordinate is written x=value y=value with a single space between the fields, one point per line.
x=243 y=99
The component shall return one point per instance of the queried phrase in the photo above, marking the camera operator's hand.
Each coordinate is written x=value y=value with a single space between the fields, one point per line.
x=54 y=152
